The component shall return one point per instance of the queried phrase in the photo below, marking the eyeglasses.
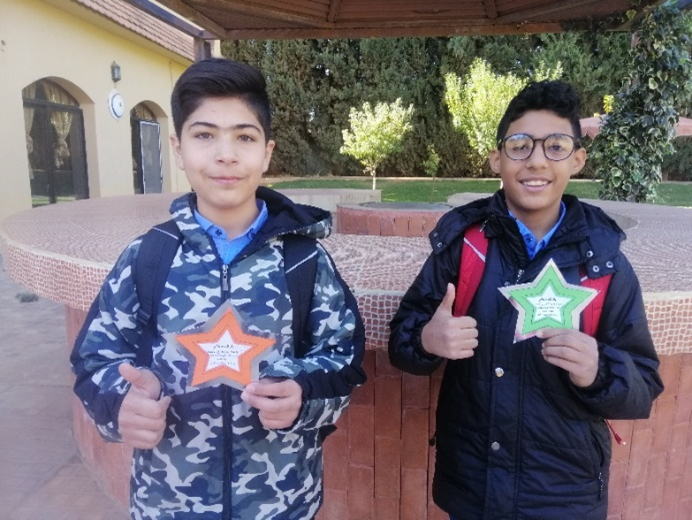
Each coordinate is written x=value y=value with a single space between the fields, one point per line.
x=556 y=147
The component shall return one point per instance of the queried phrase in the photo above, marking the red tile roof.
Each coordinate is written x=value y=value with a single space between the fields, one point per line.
x=145 y=25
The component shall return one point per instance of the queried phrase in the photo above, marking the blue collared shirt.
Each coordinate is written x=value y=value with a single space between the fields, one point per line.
x=532 y=246
x=229 y=249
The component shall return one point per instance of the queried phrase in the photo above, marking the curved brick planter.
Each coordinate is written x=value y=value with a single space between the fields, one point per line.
x=389 y=219
x=377 y=464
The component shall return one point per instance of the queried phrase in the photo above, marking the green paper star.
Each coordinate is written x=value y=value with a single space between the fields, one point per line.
x=547 y=302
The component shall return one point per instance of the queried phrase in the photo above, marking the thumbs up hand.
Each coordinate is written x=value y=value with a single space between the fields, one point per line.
x=448 y=336
x=142 y=415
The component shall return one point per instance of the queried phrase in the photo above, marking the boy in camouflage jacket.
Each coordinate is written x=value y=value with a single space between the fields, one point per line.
x=213 y=451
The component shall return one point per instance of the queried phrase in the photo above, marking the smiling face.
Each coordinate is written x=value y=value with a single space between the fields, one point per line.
x=534 y=186
x=224 y=153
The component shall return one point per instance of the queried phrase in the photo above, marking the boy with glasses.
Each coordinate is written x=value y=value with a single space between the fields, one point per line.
x=526 y=391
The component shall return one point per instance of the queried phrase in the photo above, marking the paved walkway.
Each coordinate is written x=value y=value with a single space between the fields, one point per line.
x=42 y=476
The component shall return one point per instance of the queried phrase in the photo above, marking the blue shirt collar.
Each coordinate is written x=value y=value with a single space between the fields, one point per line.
x=218 y=233
x=532 y=246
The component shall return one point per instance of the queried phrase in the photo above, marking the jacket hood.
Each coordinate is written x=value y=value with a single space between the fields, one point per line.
x=600 y=234
x=285 y=216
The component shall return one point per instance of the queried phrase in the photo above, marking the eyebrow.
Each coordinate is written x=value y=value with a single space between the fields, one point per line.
x=241 y=126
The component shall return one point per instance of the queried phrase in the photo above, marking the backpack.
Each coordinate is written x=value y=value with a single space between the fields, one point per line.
x=153 y=263
x=472 y=265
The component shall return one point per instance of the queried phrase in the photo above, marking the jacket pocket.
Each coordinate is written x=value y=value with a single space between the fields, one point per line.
x=600 y=459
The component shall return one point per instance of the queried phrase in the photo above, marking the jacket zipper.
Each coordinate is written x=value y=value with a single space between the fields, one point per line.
x=601 y=462
x=225 y=283
x=520 y=273
x=600 y=485
x=617 y=438
x=227 y=398
x=227 y=414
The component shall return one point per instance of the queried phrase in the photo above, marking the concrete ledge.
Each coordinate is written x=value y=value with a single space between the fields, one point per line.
x=329 y=198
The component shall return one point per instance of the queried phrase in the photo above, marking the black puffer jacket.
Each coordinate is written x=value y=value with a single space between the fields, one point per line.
x=515 y=438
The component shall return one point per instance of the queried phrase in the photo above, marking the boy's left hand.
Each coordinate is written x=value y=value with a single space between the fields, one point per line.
x=278 y=401
x=573 y=351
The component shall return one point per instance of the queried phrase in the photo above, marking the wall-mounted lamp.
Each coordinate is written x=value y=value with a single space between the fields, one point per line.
x=115 y=72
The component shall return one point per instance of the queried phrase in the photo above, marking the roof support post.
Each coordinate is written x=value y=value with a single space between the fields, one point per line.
x=202 y=49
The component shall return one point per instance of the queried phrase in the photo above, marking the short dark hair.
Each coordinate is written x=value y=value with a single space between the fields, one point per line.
x=552 y=95
x=220 y=78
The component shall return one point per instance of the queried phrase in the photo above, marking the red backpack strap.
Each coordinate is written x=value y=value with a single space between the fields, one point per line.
x=592 y=314
x=471 y=267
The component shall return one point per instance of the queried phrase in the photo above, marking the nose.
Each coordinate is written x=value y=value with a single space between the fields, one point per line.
x=537 y=157
x=225 y=150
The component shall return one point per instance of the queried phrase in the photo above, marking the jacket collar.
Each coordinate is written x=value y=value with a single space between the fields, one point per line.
x=285 y=217
x=593 y=236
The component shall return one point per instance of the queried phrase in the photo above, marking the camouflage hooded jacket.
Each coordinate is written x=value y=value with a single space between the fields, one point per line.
x=216 y=460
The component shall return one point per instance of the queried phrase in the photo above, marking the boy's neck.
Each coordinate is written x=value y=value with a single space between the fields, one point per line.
x=538 y=224
x=235 y=222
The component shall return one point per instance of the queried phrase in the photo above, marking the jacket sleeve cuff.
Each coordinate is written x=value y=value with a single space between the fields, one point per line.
x=417 y=344
x=602 y=376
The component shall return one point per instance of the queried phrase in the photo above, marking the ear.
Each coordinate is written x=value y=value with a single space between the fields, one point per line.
x=268 y=155
x=578 y=161
x=494 y=160
x=175 y=145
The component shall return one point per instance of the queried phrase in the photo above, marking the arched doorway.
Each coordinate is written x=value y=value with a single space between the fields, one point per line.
x=146 y=150
x=54 y=128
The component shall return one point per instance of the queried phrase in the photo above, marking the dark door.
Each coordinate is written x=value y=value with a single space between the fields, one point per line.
x=56 y=153
x=146 y=155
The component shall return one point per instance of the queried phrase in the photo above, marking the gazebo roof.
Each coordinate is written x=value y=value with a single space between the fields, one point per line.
x=282 y=19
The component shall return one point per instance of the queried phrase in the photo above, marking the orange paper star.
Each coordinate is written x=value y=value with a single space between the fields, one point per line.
x=224 y=352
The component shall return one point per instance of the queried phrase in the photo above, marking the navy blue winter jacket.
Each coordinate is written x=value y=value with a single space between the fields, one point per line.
x=515 y=438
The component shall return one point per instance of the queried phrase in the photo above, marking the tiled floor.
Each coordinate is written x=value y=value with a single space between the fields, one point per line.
x=41 y=473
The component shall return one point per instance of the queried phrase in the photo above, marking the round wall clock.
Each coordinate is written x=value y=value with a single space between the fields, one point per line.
x=116 y=104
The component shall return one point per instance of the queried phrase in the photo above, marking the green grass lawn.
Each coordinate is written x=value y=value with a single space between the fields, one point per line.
x=43 y=200
x=407 y=190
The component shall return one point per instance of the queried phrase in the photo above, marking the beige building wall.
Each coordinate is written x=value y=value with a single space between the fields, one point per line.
x=74 y=47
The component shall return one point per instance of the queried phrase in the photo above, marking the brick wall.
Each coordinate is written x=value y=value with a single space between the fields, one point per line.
x=378 y=464
x=380 y=221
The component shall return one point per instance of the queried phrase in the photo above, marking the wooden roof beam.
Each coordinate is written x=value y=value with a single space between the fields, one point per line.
x=334 y=6
x=521 y=16
x=168 y=17
x=490 y=9
x=433 y=29
x=264 y=12
x=195 y=17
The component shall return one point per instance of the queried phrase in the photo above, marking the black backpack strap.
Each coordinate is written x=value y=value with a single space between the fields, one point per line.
x=300 y=265
x=152 y=265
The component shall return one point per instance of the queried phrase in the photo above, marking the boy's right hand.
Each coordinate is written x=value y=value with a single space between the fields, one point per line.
x=449 y=337
x=142 y=416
